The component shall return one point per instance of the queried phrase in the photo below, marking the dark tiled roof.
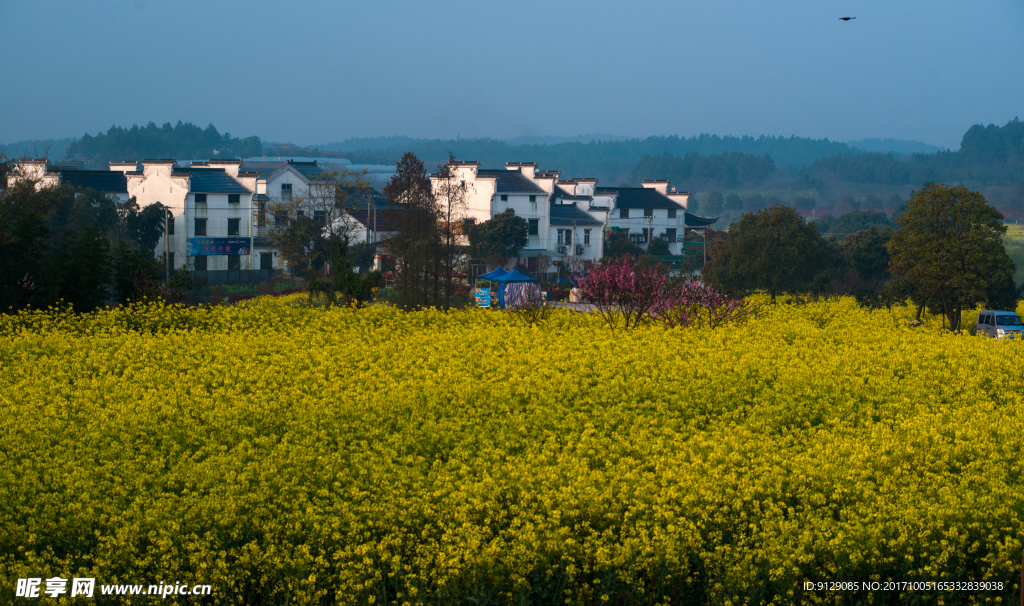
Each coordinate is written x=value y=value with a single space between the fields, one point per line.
x=387 y=220
x=101 y=180
x=212 y=181
x=698 y=222
x=512 y=182
x=268 y=168
x=357 y=201
x=558 y=192
x=308 y=169
x=567 y=214
x=638 y=197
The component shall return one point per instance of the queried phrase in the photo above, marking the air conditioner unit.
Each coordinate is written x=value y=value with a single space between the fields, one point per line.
x=563 y=249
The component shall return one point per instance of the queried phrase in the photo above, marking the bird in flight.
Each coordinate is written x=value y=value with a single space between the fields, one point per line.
x=846 y=18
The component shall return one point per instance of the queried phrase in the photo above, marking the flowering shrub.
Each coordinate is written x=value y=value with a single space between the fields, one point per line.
x=691 y=303
x=623 y=291
x=289 y=455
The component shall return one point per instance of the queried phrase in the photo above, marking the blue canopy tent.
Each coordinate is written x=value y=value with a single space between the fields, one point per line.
x=483 y=296
x=493 y=275
x=513 y=277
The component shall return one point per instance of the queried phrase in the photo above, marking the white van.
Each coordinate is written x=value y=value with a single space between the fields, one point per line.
x=998 y=324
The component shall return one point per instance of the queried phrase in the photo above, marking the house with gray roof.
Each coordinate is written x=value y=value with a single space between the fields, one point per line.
x=568 y=219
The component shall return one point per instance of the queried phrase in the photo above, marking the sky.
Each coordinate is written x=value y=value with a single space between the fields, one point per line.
x=316 y=72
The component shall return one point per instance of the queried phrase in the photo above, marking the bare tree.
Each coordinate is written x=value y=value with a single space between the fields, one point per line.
x=308 y=229
x=449 y=194
x=417 y=244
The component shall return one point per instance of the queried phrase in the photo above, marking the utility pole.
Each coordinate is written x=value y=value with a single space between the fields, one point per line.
x=167 y=248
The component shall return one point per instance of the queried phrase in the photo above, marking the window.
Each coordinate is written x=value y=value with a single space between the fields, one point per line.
x=586 y=237
x=531 y=263
x=533 y=198
x=233 y=227
x=648 y=212
x=163 y=261
x=670 y=235
x=534 y=227
x=200 y=264
x=320 y=216
x=286 y=191
x=200 y=198
x=647 y=235
x=170 y=225
x=671 y=213
x=1008 y=320
x=623 y=213
x=234 y=198
x=280 y=219
x=234 y=262
x=200 y=227
x=261 y=215
x=564 y=237
x=504 y=197
x=300 y=213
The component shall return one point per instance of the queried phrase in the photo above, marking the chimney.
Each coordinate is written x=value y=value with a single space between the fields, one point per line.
x=527 y=168
x=124 y=166
x=660 y=186
x=162 y=167
x=229 y=166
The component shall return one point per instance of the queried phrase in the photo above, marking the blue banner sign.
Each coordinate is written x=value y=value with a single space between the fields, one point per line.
x=205 y=247
x=483 y=297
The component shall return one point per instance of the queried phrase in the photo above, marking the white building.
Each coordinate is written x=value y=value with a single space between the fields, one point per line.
x=48 y=175
x=655 y=210
x=569 y=219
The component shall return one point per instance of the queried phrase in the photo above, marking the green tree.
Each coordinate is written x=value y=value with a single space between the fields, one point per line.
x=24 y=240
x=866 y=254
x=949 y=249
x=343 y=285
x=715 y=204
x=858 y=220
x=503 y=235
x=618 y=244
x=658 y=247
x=773 y=250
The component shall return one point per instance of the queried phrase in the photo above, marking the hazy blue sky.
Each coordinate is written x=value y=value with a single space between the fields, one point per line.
x=313 y=72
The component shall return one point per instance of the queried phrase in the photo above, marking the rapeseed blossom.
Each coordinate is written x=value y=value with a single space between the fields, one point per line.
x=289 y=455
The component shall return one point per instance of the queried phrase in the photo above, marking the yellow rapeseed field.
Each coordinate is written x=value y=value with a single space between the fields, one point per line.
x=287 y=455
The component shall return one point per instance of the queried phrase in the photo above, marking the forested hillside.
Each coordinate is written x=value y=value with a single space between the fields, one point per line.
x=989 y=155
x=183 y=141
x=607 y=160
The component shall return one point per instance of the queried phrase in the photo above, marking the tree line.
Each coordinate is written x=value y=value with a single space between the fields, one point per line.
x=82 y=248
x=945 y=254
x=694 y=171
x=987 y=155
x=182 y=141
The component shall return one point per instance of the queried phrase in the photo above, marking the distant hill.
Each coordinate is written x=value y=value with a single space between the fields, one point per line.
x=54 y=149
x=183 y=141
x=988 y=155
x=895 y=146
x=607 y=160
